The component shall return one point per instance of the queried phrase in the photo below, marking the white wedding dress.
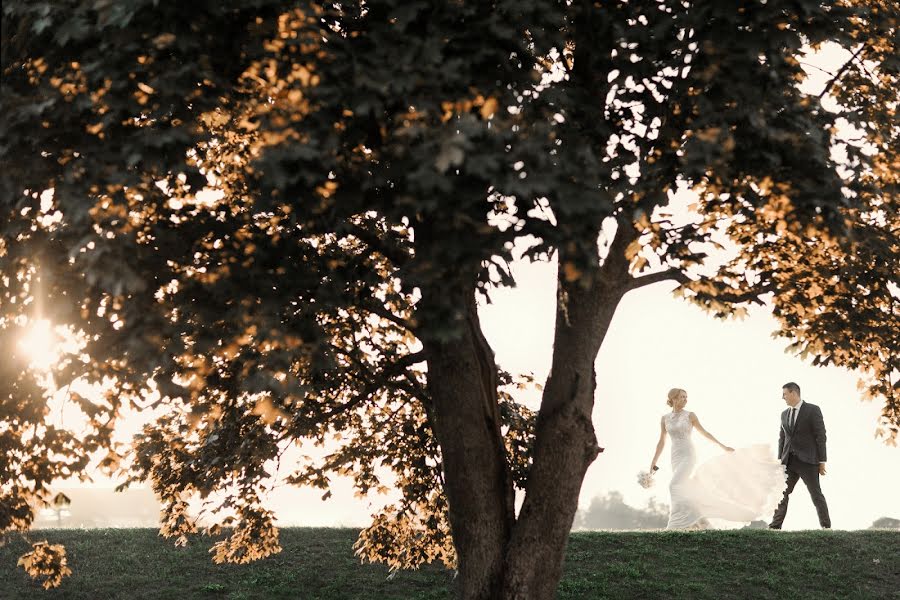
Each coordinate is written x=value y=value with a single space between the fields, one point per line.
x=736 y=486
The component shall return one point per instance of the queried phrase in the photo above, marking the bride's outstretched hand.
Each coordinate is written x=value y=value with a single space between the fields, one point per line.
x=727 y=448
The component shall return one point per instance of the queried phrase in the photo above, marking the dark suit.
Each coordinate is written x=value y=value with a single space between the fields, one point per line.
x=802 y=448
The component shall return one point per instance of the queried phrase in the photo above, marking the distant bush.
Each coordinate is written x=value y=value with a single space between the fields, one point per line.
x=886 y=523
x=611 y=512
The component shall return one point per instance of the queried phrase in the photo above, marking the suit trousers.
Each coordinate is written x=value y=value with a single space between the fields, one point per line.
x=796 y=470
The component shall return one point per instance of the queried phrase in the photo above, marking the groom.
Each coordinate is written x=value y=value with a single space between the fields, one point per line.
x=801 y=446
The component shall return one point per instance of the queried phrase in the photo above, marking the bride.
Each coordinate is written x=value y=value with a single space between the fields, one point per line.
x=737 y=486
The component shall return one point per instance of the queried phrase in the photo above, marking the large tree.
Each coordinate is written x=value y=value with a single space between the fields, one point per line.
x=271 y=222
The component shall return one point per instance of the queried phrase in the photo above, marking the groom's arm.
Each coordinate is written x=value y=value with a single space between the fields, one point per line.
x=819 y=434
x=781 y=437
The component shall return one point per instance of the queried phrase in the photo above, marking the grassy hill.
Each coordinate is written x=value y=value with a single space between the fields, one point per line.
x=319 y=564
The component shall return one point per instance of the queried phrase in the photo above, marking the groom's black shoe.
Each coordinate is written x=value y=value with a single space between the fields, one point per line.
x=775 y=527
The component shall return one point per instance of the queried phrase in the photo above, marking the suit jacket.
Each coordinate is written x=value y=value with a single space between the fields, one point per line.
x=806 y=441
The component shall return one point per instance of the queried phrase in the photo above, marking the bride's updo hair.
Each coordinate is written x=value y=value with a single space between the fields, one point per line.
x=673 y=393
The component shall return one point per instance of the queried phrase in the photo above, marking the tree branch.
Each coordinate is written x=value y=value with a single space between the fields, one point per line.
x=739 y=297
x=374 y=381
x=615 y=266
x=379 y=244
x=382 y=312
x=841 y=71
x=651 y=278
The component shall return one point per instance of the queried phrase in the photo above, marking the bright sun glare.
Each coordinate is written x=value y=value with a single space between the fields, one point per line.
x=41 y=344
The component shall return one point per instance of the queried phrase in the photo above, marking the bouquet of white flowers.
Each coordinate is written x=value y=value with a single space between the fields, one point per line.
x=645 y=479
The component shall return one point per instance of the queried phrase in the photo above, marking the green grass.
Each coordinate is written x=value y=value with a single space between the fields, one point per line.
x=319 y=564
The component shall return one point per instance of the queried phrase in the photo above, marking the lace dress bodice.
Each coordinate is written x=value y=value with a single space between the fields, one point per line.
x=679 y=425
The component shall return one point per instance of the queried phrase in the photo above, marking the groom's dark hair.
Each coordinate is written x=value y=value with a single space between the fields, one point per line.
x=791 y=386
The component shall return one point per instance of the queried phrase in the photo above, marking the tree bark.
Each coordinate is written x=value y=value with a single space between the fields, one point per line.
x=565 y=443
x=462 y=383
x=501 y=556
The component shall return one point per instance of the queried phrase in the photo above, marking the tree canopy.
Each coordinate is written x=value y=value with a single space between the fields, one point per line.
x=271 y=221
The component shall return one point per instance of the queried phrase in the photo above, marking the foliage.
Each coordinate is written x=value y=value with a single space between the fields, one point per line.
x=47 y=561
x=267 y=220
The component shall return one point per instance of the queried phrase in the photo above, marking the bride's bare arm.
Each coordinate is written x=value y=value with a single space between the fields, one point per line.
x=660 y=444
x=707 y=434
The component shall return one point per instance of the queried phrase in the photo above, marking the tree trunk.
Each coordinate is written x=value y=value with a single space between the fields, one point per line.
x=565 y=443
x=499 y=555
x=462 y=382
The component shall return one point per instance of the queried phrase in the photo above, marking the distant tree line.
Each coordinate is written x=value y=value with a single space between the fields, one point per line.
x=886 y=523
x=611 y=512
